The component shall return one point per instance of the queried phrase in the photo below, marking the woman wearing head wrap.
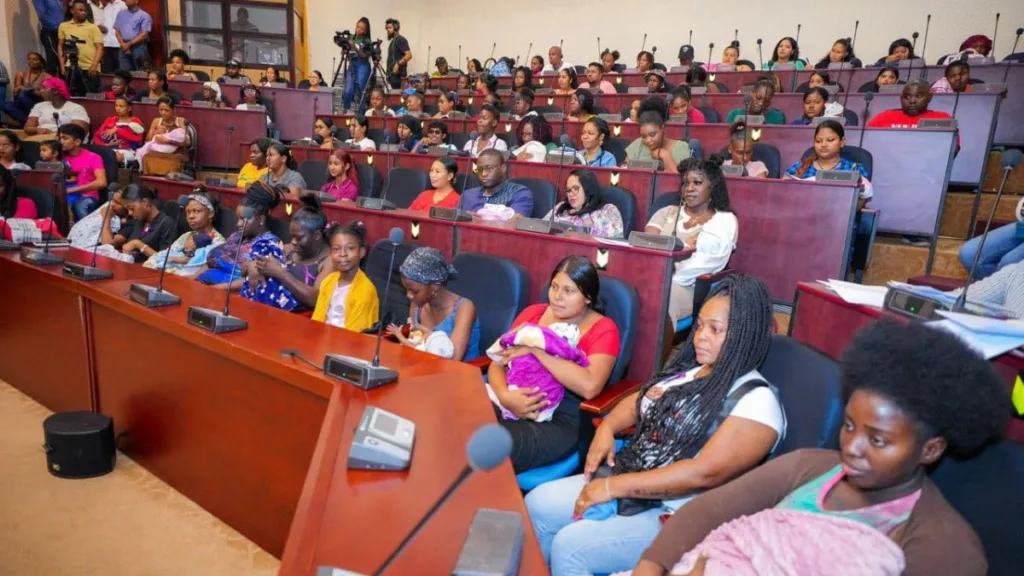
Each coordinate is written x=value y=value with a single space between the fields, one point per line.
x=252 y=237
x=211 y=93
x=56 y=102
x=409 y=131
x=435 y=308
x=977 y=46
x=187 y=255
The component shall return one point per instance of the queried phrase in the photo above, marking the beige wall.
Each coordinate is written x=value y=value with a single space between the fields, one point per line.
x=444 y=24
x=20 y=35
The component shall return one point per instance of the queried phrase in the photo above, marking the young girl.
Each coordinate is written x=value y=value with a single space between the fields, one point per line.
x=348 y=299
x=829 y=139
x=49 y=151
x=344 y=183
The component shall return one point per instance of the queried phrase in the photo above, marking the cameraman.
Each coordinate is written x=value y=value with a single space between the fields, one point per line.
x=80 y=71
x=399 y=53
x=358 y=73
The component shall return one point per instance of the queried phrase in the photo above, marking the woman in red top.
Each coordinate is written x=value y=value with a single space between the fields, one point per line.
x=442 y=192
x=122 y=131
x=572 y=297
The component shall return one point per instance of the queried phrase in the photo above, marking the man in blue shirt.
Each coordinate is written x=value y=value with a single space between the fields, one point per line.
x=51 y=14
x=132 y=27
x=495 y=189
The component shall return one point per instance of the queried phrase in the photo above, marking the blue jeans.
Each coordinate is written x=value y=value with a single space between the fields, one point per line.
x=3 y=94
x=356 y=77
x=586 y=546
x=1002 y=248
x=82 y=206
x=139 y=54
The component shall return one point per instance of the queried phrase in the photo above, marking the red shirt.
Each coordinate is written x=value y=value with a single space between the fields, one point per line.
x=601 y=338
x=898 y=119
x=425 y=201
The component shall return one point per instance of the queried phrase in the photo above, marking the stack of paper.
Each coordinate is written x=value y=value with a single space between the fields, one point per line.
x=858 y=293
x=990 y=337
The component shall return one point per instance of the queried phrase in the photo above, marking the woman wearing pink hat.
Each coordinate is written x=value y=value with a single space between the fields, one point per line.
x=54 y=111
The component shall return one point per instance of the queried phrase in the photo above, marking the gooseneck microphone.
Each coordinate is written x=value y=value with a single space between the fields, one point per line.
x=149 y=296
x=1006 y=72
x=222 y=322
x=995 y=34
x=643 y=45
x=395 y=237
x=760 y=57
x=382 y=202
x=924 y=46
x=798 y=26
x=1011 y=159
x=599 y=47
x=868 y=97
x=853 y=41
x=487 y=448
x=913 y=48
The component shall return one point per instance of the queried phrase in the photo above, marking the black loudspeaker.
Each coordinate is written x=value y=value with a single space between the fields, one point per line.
x=79 y=444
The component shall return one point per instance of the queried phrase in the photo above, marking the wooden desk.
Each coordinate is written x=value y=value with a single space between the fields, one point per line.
x=220 y=131
x=234 y=426
x=826 y=322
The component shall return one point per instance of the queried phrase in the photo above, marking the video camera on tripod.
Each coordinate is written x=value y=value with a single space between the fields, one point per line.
x=70 y=47
x=345 y=41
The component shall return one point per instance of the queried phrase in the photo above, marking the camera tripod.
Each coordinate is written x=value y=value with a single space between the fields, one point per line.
x=343 y=70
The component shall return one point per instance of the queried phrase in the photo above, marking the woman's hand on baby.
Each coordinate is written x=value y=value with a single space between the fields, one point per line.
x=509 y=354
x=602 y=451
x=525 y=402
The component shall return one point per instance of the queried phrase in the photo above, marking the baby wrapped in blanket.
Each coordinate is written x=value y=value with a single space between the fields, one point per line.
x=559 y=340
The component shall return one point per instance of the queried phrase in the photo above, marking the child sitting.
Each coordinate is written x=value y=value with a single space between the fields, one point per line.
x=560 y=340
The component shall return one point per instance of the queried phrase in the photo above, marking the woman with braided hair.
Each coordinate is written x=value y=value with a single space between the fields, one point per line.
x=252 y=233
x=708 y=417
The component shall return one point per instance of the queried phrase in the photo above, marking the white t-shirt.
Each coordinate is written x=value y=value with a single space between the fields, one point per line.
x=493 y=142
x=336 y=310
x=716 y=239
x=549 y=68
x=364 y=144
x=67 y=113
x=759 y=405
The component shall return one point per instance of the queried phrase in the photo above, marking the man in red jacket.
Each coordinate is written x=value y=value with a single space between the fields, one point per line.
x=914 y=108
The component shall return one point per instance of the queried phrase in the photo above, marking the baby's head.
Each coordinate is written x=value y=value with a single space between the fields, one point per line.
x=570 y=332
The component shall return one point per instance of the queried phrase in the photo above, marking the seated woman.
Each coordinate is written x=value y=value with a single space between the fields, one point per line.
x=581 y=107
x=567 y=82
x=123 y=132
x=819 y=78
x=957 y=78
x=908 y=402
x=573 y=299
x=522 y=78
x=211 y=93
x=741 y=152
x=534 y=136
x=13 y=204
x=464 y=83
x=54 y=111
x=608 y=60
x=316 y=80
x=188 y=254
x=378 y=103
x=323 y=132
x=176 y=67
x=290 y=279
x=252 y=237
x=841 y=52
x=681 y=106
x=433 y=308
x=252 y=96
x=9 y=146
x=730 y=54
x=120 y=85
x=168 y=133
x=158 y=88
x=601 y=521
x=88 y=231
x=26 y=90
x=585 y=206
x=901 y=49
x=344 y=178
x=536 y=65
x=593 y=136
x=357 y=127
x=486 y=85
x=413 y=105
x=817 y=105
x=409 y=131
x=652 y=143
x=829 y=139
x=787 y=51
x=437 y=137
x=706 y=224
x=271 y=77
x=256 y=167
x=348 y=298
x=888 y=76
x=149 y=231
x=442 y=184
x=282 y=170
x=447 y=103
x=645 y=61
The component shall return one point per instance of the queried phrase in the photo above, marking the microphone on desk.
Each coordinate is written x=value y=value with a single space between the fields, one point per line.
x=798 y=26
x=56 y=119
x=44 y=257
x=382 y=202
x=231 y=131
x=1011 y=159
x=91 y=272
x=853 y=40
x=690 y=40
x=149 y=296
x=643 y=44
x=599 y=47
x=493 y=48
x=548 y=225
x=868 y=97
x=669 y=243
x=711 y=50
x=924 y=45
x=222 y=322
x=1006 y=72
x=359 y=372
x=760 y=56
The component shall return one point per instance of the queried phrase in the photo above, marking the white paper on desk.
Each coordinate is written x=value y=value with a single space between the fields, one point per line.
x=988 y=345
x=859 y=293
x=1013 y=328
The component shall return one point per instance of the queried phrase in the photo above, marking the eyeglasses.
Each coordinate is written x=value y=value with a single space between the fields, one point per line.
x=570 y=189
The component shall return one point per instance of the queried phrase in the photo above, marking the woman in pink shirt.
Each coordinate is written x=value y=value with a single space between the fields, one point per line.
x=681 y=106
x=86 y=173
x=344 y=182
x=13 y=205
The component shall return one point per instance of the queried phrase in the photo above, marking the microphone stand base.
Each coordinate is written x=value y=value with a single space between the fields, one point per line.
x=38 y=257
x=358 y=372
x=654 y=241
x=86 y=273
x=374 y=203
x=214 y=320
x=152 y=297
x=8 y=246
x=541 y=226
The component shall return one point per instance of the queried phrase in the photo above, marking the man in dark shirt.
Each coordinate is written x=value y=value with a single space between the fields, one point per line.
x=399 y=54
x=495 y=189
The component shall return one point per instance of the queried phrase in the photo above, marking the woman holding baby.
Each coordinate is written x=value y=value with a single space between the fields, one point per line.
x=708 y=417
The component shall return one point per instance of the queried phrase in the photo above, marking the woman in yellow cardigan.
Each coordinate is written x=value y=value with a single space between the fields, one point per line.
x=348 y=299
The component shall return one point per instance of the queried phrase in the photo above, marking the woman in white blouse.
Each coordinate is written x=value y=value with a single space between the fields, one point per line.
x=357 y=127
x=706 y=224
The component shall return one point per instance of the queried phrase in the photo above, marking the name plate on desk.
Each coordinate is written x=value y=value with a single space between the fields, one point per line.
x=553 y=116
x=832 y=89
x=450 y=214
x=679 y=119
x=148 y=100
x=937 y=123
x=820 y=119
x=734 y=170
x=751 y=119
x=202 y=104
x=988 y=88
x=637 y=90
x=694 y=90
x=95 y=96
x=655 y=241
x=849 y=176
x=561 y=157
x=383 y=441
x=610 y=117
x=374 y=203
x=840 y=66
x=679 y=69
x=50 y=166
x=642 y=164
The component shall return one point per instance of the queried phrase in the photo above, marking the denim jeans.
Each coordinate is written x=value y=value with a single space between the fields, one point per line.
x=1002 y=248
x=587 y=546
x=82 y=206
x=139 y=54
x=356 y=77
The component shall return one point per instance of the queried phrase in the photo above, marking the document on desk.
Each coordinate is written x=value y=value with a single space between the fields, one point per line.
x=858 y=293
x=986 y=325
x=988 y=343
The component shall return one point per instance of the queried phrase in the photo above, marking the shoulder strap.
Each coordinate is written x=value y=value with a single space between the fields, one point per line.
x=730 y=403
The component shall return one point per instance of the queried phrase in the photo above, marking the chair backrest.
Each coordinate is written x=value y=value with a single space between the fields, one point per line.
x=710 y=114
x=109 y=165
x=28 y=153
x=808 y=383
x=173 y=210
x=617 y=146
x=986 y=490
x=853 y=154
x=369 y=180
x=461 y=185
x=377 y=135
x=269 y=105
x=625 y=202
x=498 y=287
x=543 y=194
x=396 y=308
x=201 y=76
x=696 y=148
x=314 y=172
x=281 y=227
x=458 y=139
x=43 y=200
x=405 y=184
x=663 y=200
x=226 y=221
x=851 y=117
x=303 y=85
x=767 y=153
